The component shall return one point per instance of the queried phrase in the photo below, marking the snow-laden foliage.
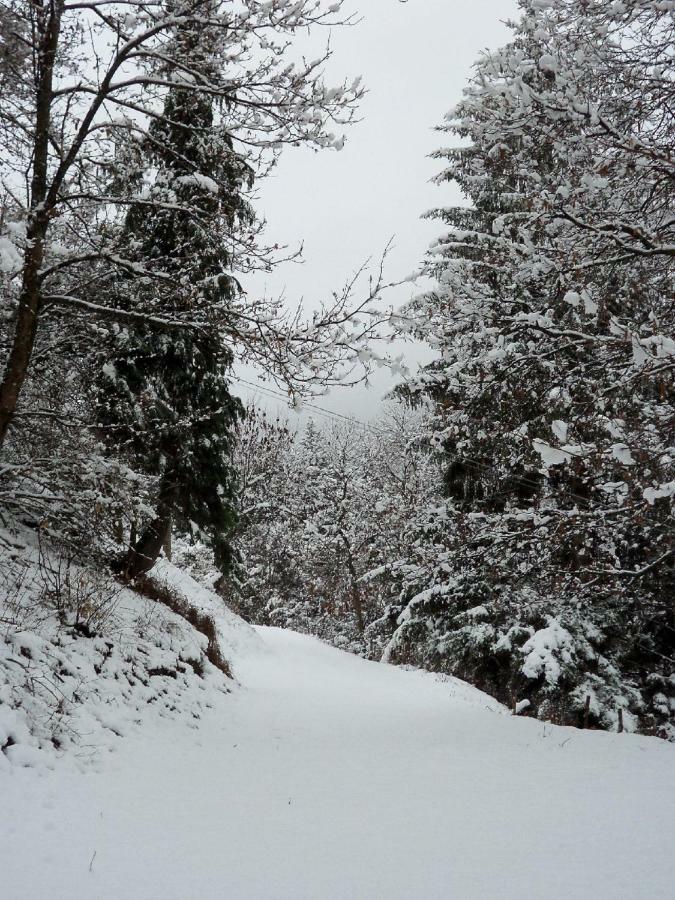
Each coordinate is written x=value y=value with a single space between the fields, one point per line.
x=547 y=572
x=164 y=398
x=97 y=75
x=55 y=473
x=130 y=136
x=322 y=517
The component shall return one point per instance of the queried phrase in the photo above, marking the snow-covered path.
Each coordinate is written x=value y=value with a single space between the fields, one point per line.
x=329 y=777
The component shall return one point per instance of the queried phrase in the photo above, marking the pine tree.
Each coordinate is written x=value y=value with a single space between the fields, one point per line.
x=547 y=573
x=165 y=398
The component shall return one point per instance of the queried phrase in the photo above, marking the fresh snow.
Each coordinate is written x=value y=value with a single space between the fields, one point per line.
x=68 y=697
x=324 y=776
x=235 y=637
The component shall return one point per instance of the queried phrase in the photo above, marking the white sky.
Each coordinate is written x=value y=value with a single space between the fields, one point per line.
x=415 y=58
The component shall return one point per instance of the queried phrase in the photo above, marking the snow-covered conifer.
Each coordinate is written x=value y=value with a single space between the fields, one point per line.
x=164 y=399
x=548 y=570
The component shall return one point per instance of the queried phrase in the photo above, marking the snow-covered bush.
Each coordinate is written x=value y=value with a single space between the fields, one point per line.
x=571 y=668
x=85 y=660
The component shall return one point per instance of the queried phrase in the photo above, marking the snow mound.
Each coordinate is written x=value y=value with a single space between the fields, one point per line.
x=85 y=661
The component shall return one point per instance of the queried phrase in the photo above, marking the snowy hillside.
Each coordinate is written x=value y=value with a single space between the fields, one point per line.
x=325 y=776
x=84 y=661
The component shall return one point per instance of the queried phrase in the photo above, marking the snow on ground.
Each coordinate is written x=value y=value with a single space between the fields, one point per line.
x=326 y=777
x=85 y=661
x=235 y=637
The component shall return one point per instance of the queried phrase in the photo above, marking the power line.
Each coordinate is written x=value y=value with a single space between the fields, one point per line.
x=472 y=462
x=321 y=410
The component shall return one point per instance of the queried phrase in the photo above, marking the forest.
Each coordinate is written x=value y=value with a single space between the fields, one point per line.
x=503 y=525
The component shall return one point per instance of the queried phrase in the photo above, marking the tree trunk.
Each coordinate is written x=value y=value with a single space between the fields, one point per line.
x=166 y=546
x=357 y=606
x=24 y=333
x=29 y=299
x=144 y=553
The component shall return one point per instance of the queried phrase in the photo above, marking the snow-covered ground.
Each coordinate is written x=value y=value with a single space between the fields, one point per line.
x=325 y=776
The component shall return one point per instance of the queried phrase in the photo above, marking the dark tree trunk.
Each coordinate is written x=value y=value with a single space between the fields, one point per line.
x=29 y=299
x=25 y=330
x=357 y=605
x=144 y=553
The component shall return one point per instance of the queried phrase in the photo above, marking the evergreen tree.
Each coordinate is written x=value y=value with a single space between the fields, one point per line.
x=548 y=574
x=165 y=397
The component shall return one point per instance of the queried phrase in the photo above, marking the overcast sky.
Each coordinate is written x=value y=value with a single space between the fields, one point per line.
x=415 y=58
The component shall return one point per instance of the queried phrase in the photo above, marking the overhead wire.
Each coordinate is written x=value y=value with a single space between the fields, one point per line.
x=472 y=462
x=320 y=410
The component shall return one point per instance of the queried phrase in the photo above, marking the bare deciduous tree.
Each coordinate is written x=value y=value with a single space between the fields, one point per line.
x=82 y=82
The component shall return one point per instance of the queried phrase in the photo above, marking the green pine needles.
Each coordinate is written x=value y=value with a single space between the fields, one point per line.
x=164 y=395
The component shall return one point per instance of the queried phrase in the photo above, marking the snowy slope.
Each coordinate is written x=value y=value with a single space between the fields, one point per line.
x=329 y=777
x=68 y=696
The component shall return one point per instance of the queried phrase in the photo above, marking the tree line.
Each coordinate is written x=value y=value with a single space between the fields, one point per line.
x=132 y=134
x=511 y=522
